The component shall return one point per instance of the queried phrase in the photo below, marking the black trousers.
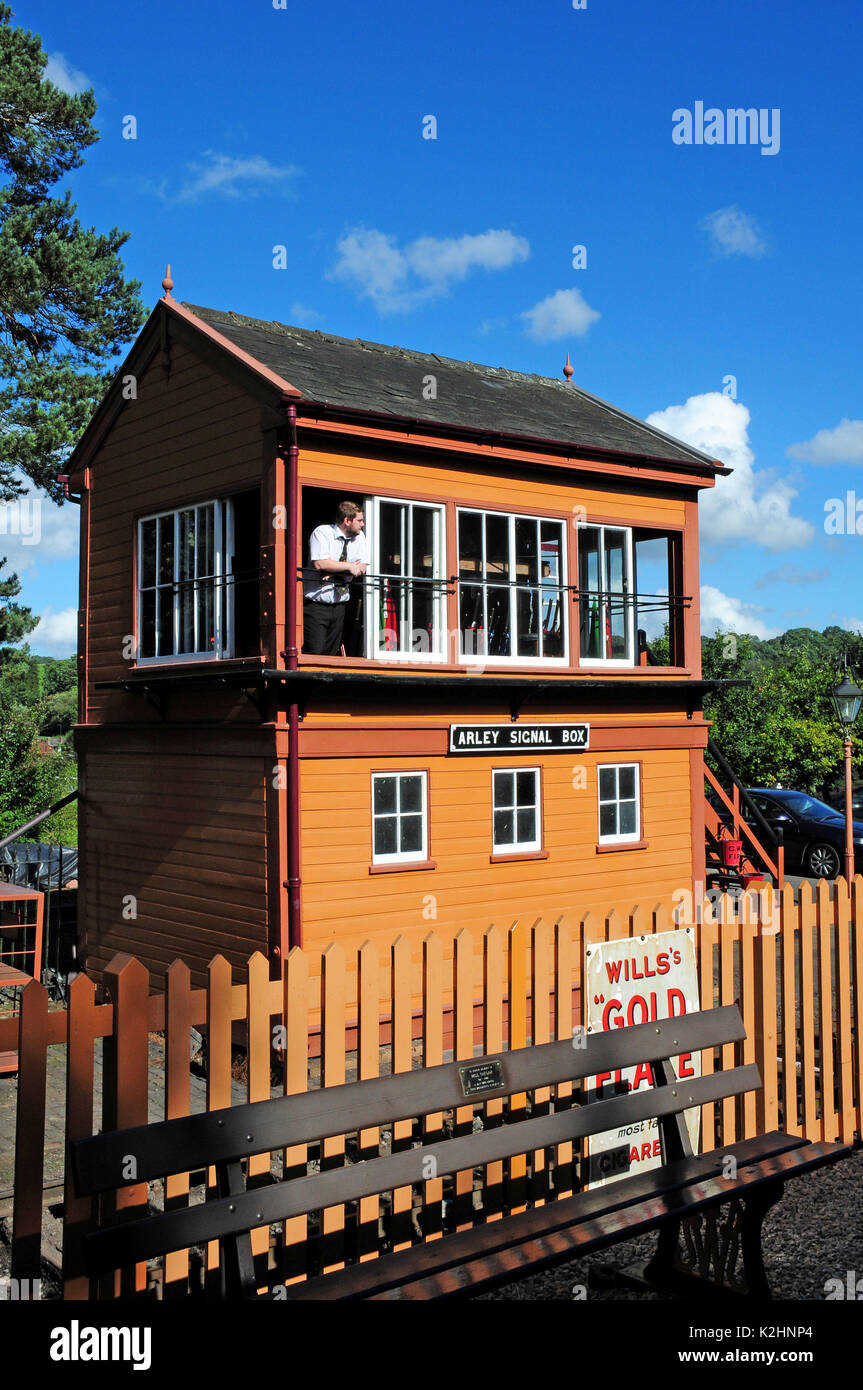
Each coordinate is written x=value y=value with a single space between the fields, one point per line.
x=323 y=624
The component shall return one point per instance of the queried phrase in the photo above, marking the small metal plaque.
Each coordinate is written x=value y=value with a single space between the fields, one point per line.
x=482 y=1076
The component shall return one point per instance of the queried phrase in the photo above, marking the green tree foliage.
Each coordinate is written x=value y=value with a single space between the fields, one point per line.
x=65 y=307
x=30 y=780
x=782 y=728
x=15 y=622
x=38 y=706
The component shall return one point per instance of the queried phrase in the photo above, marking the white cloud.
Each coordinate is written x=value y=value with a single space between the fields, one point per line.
x=734 y=233
x=720 y=612
x=68 y=78
x=444 y=259
x=843 y=444
x=746 y=506
x=852 y=624
x=791 y=574
x=56 y=634
x=560 y=315
x=396 y=279
x=232 y=176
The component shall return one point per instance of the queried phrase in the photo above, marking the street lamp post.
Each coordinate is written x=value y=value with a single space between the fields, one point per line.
x=846 y=701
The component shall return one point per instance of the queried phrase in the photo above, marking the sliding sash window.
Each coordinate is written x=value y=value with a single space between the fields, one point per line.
x=185 y=610
x=511 y=587
x=406 y=589
x=605 y=594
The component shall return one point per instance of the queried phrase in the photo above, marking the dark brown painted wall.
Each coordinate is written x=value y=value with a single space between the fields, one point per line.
x=173 y=819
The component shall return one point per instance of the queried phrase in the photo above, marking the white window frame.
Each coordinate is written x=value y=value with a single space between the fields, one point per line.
x=629 y=596
x=629 y=837
x=223 y=592
x=374 y=650
x=471 y=658
x=517 y=846
x=410 y=856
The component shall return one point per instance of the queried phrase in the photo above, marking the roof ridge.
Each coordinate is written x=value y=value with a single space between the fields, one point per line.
x=391 y=348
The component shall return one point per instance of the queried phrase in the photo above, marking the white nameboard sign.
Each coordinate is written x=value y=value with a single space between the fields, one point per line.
x=518 y=738
x=629 y=981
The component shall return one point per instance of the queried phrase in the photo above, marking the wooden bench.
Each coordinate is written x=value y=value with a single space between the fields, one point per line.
x=739 y=1181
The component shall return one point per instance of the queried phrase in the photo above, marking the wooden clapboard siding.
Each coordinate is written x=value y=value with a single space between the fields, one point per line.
x=186 y=836
x=487 y=485
x=341 y=896
x=190 y=435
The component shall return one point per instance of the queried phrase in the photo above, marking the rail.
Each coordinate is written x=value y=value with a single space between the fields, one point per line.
x=774 y=859
x=37 y=820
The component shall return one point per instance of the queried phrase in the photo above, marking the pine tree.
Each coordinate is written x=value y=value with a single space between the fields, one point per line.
x=15 y=621
x=65 y=307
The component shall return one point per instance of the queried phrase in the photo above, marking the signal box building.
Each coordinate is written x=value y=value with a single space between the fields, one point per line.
x=513 y=727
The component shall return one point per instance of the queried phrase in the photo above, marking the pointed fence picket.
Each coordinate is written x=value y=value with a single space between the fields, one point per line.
x=795 y=968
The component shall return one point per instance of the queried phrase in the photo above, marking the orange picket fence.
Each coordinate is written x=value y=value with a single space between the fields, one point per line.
x=796 y=969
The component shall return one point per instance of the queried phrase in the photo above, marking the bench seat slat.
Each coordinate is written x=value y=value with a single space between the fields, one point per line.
x=139 y=1240
x=192 y=1142
x=362 y=1281
x=490 y=1271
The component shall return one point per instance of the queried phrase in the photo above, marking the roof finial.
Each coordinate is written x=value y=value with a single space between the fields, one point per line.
x=568 y=369
x=167 y=283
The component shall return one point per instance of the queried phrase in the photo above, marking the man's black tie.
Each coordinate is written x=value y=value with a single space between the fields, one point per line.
x=343 y=580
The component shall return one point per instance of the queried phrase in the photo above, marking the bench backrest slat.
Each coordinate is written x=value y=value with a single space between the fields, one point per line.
x=178 y=1229
x=194 y=1141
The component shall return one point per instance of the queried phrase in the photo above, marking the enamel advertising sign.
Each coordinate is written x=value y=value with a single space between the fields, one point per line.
x=629 y=981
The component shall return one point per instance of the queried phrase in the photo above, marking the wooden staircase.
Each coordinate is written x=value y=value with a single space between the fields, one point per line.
x=725 y=800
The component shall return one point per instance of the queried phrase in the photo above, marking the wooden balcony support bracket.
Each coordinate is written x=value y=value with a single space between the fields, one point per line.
x=256 y=694
x=156 y=698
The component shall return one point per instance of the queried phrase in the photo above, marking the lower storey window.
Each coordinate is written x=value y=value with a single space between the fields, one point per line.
x=619 y=803
x=399 y=817
x=516 y=810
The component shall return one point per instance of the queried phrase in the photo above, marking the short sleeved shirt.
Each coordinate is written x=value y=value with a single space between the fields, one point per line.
x=326 y=543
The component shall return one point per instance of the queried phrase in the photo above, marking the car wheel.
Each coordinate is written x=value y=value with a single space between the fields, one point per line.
x=823 y=862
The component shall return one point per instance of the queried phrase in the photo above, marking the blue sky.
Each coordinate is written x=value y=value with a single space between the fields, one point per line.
x=721 y=296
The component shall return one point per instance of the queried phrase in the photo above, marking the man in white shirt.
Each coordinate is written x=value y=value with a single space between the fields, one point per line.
x=338 y=553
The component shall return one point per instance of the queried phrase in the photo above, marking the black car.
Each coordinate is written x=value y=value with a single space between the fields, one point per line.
x=813 y=833
x=838 y=802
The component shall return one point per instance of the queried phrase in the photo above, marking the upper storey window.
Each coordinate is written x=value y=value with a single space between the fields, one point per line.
x=629 y=600
x=511 y=587
x=198 y=572
x=407 y=588
x=604 y=592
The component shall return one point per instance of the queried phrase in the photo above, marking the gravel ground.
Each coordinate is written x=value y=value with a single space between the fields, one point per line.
x=813 y=1234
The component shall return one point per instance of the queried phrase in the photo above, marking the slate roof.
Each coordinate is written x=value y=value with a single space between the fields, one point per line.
x=348 y=373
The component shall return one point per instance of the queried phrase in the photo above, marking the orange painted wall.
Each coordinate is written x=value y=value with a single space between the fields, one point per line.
x=339 y=893
x=480 y=487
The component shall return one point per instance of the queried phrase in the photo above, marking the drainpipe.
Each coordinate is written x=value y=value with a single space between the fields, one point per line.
x=294 y=880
